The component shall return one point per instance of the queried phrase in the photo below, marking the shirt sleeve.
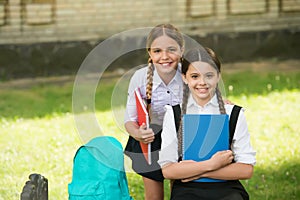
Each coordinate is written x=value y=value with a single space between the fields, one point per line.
x=169 y=144
x=241 y=146
x=135 y=82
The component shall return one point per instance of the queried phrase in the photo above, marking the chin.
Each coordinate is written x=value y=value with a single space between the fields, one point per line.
x=169 y=69
x=203 y=96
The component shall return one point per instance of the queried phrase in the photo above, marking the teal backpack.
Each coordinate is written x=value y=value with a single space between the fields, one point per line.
x=98 y=171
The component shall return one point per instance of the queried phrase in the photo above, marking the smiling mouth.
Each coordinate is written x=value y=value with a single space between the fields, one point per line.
x=202 y=90
x=166 y=64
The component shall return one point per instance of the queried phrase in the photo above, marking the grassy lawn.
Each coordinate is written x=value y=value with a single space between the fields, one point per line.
x=38 y=133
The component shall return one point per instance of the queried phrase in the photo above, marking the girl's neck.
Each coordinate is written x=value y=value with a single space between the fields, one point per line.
x=202 y=102
x=167 y=78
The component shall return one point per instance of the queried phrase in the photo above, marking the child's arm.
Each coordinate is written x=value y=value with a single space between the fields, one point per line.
x=234 y=171
x=139 y=133
x=186 y=169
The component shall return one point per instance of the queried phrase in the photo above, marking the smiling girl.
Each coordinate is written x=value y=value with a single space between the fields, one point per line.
x=160 y=84
x=201 y=75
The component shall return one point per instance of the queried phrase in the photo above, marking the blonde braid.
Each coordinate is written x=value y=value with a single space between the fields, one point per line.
x=220 y=101
x=185 y=98
x=149 y=85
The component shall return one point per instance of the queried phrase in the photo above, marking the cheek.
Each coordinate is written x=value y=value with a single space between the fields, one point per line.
x=154 y=58
x=176 y=57
x=212 y=82
x=191 y=83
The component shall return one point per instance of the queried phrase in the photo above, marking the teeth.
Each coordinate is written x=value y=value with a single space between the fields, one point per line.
x=201 y=89
x=165 y=64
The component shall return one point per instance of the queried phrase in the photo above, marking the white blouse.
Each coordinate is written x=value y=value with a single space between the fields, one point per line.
x=162 y=94
x=241 y=147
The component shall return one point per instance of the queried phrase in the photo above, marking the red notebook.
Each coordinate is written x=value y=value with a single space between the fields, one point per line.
x=143 y=117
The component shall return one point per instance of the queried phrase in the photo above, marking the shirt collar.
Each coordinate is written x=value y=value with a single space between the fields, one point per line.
x=213 y=101
x=157 y=80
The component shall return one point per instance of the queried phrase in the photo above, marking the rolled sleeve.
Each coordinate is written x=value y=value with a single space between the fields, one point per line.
x=136 y=81
x=241 y=146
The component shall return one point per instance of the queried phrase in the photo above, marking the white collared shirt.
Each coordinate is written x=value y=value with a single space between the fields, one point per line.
x=162 y=94
x=241 y=147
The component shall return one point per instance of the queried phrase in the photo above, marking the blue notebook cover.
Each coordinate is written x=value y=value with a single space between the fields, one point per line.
x=203 y=136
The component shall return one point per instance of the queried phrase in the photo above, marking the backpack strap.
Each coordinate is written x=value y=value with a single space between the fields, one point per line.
x=232 y=122
x=177 y=115
x=177 y=119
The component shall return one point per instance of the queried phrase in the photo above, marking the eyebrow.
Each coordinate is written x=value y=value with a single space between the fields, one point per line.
x=162 y=48
x=193 y=73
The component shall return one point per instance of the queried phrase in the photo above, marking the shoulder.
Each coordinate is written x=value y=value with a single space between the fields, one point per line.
x=142 y=69
x=139 y=76
x=229 y=108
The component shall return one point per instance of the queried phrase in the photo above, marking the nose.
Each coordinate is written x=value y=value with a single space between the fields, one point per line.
x=165 y=54
x=201 y=81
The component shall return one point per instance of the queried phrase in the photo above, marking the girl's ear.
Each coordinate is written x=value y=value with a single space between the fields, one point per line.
x=182 y=51
x=219 y=77
x=184 y=79
x=149 y=53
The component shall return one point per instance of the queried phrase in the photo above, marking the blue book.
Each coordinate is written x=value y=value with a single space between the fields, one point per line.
x=203 y=136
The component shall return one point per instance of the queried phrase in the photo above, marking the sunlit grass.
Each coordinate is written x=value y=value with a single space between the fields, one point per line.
x=273 y=124
x=42 y=145
x=38 y=134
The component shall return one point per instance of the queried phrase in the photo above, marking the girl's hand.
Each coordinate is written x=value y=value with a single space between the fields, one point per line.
x=226 y=101
x=221 y=159
x=191 y=178
x=144 y=135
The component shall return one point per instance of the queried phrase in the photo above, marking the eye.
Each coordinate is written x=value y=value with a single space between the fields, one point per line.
x=156 y=50
x=209 y=76
x=172 y=49
x=194 y=76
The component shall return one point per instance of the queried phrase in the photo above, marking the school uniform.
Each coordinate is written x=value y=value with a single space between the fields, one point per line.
x=241 y=147
x=162 y=95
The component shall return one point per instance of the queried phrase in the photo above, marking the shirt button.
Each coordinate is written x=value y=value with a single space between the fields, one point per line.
x=168 y=91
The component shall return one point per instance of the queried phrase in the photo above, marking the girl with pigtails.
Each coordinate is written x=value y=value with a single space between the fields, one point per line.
x=201 y=95
x=160 y=84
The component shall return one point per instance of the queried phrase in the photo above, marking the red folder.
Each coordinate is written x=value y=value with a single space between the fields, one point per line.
x=143 y=117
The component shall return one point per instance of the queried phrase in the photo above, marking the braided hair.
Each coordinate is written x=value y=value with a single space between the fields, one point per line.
x=159 y=30
x=149 y=83
x=205 y=55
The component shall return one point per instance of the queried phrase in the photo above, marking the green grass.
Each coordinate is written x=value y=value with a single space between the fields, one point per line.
x=38 y=133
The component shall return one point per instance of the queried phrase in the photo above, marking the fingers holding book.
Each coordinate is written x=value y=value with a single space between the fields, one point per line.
x=145 y=135
x=221 y=159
